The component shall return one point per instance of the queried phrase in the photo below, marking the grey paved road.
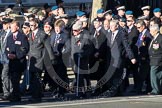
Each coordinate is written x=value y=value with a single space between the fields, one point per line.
x=114 y=102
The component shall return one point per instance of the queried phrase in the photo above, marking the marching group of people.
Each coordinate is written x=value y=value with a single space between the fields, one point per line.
x=121 y=45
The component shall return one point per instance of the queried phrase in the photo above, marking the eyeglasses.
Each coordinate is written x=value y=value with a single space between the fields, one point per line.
x=139 y=27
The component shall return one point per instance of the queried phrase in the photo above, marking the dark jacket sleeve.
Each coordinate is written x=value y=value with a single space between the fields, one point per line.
x=48 y=47
x=126 y=45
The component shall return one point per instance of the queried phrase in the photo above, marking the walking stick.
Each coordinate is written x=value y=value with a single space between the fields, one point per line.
x=78 y=71
x=27 y=74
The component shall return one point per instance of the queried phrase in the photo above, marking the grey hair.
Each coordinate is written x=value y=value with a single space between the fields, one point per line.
x=115 y=22
x=155 y=27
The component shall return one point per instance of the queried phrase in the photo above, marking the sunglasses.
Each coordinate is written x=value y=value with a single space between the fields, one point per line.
x=24 y=27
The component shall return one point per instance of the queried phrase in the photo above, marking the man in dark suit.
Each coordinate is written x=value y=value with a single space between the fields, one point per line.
x=60 y=45
x=117 y=44
x=99 y=39
x=16 y=49
x=38 y=41
x=143 y=43
x=132 y=39
x=155 y=53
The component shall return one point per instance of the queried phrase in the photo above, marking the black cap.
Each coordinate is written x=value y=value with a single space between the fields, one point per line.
x=109 y=12
x=49 y=22
x=7 y=20
x=97 y=19
x=31 y=16
x=26 y=24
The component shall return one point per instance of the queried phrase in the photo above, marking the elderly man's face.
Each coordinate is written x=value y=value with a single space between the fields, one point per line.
x=153 y=32
x=76 y=32
x=113 y=26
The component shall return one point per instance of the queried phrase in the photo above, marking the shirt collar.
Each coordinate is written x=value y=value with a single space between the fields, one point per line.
x=35 y=31
x=15 y=34
x=115 y=32
x=143 y=32
x=131 y=27
x=78 y=36
x=156 y=36
x=98 y=28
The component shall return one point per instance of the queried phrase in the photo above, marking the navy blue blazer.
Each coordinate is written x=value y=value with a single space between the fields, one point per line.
x=19 y=47
x=143 y=53
x=61 y=45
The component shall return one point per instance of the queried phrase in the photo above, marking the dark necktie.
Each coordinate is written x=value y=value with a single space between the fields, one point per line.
x=112 y=38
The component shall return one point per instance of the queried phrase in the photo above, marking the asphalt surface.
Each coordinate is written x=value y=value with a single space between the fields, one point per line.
x=129 y=100
x=145 y=101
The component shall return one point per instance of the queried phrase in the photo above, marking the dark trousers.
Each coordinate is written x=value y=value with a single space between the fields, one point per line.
x=144 y=75
x=15 y=70
x=132 y=69
x=156 y=79
x=36 y=84
x=61 y=71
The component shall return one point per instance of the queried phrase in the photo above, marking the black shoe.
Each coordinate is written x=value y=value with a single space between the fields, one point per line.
x=15 y=99
x=5 y=98
x=37 y=100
